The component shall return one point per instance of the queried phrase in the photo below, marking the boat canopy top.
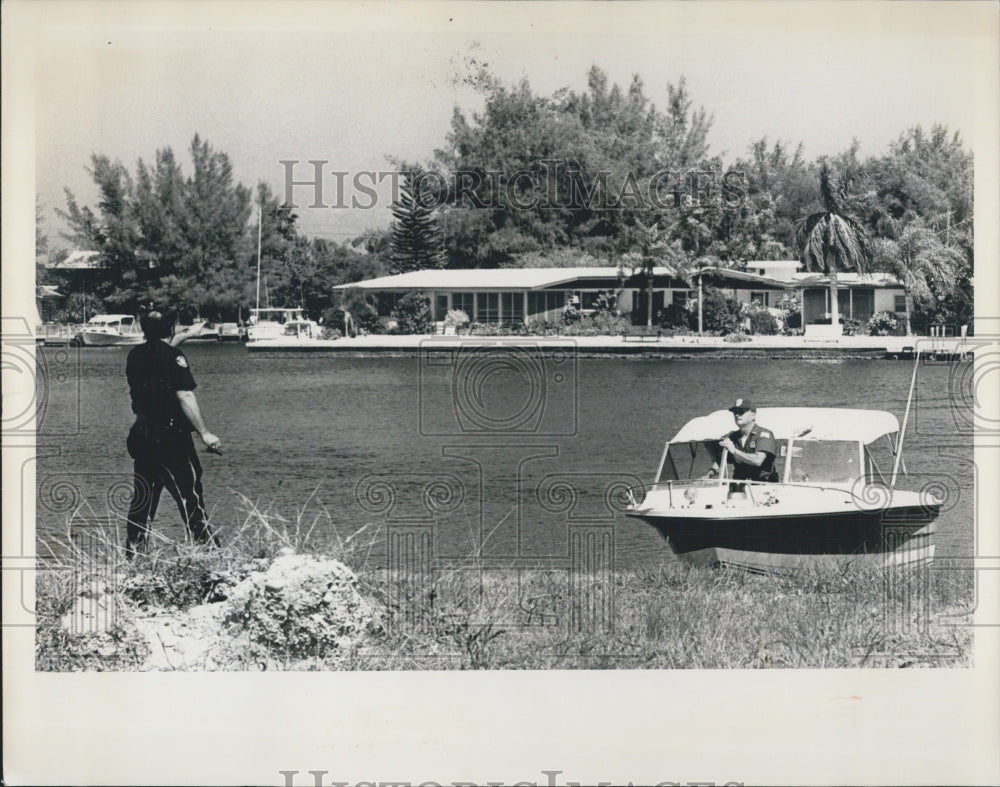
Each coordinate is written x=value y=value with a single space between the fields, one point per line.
x=814 y=423
x=102 y=319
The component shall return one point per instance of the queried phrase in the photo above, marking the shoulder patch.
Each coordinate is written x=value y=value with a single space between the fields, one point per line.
x=765 y=434
x=182 y=361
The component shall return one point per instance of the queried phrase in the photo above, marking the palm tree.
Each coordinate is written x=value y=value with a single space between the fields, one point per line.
x=922 y=263
x=653 y=249
x=835 y=239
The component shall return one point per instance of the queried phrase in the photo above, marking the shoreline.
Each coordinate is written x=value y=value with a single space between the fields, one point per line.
x=675 y=348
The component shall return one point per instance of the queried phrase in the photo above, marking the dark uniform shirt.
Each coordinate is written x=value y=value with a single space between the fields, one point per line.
x=759 y=439
x=155 y=372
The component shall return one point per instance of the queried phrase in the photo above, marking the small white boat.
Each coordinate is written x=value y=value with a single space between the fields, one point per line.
x=273 y=328
x=199 y=331
x=835 y=499
x=110 y=330
x=231 y=332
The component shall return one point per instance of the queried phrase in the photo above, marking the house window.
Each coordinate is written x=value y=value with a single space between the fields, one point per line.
x=463 y=301
x=512 y=306
x=900 y=304
x=387 y=303
x=539 y=302
x=680 y=298
x=862 y=303
x=588 y=300
x=760 y=298
x=488 y=305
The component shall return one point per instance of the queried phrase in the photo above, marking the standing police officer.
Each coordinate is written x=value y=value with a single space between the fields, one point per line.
x=166 y=410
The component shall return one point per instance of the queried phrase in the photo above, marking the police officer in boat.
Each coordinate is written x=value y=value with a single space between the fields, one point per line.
x=750 y=447
x=162 y=390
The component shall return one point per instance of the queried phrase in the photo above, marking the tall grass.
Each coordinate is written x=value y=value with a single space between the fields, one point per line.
x=471 y=616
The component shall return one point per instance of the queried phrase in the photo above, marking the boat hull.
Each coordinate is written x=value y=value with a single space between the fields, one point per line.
x=893 y=536
x=98 y=339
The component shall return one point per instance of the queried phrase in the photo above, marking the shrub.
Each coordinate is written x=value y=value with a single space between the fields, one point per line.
x=333 y=319
x=608 y=323
x=606 y=301
x=456 y=318
x=853 y=327
x=78 y=306
x=719 y=313
x=675 y=316
x=762 y=322
x=366 y=320
x=413 y=314
x=541 y=327
x=571 y=315
x=882 y=324
x=790 y=305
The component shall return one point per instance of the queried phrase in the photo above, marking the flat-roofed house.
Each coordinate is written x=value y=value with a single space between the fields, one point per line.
x=507 y=295
x=503 y=295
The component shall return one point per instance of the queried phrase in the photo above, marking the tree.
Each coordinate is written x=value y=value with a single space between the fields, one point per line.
x=653 y=249
x=416 y=237
x=929 y=175
x=568 y=171
x=835 y=239
x=41 y=244
x=184 y=243
x=925 y=266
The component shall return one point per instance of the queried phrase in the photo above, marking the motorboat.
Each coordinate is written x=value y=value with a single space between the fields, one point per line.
x=199 y=331
x=231 y=332
x=834 y=500
x=269 y=323
x=109 y=330
x=279 y=328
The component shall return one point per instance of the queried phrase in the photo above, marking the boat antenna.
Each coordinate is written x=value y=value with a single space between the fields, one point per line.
x=906 y=416
x=260 y=222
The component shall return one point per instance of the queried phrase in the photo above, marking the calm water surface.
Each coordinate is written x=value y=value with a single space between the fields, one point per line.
x=410 y=439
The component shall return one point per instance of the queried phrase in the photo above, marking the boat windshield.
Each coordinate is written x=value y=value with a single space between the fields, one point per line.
x=688 y=461
x=685 y=461
x=822 y=461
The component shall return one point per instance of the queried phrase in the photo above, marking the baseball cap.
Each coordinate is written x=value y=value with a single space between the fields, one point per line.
x=742 y=405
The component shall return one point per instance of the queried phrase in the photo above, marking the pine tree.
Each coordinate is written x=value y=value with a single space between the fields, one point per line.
x=416 y=237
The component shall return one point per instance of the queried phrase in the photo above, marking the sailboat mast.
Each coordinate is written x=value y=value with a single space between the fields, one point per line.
x=260 y=221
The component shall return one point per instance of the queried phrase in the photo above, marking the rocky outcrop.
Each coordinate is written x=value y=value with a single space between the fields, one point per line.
x=293 y=611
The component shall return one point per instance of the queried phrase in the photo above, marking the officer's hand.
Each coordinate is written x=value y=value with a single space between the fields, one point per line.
x=214 y=443
x=727 y=444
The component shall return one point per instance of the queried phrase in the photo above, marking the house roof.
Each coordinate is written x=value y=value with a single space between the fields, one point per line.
x=47 y=291
x=766 y=282
x=489 y=278
x=543 y=278
x=846 y=278
x=813 y=423
x=528 y=278
x=78 y=260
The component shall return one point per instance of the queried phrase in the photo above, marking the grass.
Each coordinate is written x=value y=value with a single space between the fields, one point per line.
x=679 y=617
x=471 y=617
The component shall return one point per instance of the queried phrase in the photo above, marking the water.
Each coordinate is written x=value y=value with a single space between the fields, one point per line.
x=391 y=441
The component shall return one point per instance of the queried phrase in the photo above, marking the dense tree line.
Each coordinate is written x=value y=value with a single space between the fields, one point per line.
x=603 y=176
x=190 y=243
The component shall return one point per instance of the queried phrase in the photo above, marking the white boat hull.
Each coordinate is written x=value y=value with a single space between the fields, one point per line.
x=99 y=339
x=799 y=527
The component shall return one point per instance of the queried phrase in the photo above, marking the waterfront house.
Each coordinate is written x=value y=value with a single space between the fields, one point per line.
x=502 y=295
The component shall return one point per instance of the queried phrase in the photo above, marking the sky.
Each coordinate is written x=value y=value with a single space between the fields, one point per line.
x=354 y=84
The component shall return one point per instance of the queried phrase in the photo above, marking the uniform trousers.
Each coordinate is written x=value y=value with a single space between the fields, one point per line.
x=165 y=459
